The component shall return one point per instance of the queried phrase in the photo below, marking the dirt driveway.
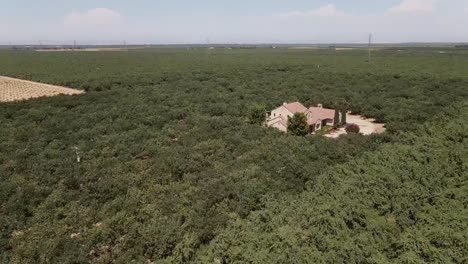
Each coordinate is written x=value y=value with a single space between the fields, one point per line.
x=367 y=126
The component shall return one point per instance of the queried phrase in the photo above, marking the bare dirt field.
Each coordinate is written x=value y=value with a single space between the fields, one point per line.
x=367 y=126
x=16 y=90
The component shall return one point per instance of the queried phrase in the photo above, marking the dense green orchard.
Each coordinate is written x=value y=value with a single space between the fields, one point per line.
x=176 y=166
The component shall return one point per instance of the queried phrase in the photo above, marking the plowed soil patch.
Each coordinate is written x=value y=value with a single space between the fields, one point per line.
x=16 y=90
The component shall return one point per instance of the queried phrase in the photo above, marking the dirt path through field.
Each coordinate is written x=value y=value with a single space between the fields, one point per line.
x=12 y=89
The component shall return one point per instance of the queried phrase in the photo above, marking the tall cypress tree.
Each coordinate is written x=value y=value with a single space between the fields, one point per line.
x=344 y=120
x=337 y=121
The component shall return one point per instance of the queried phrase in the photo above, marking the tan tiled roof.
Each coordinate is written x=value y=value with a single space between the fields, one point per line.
x=313 y=121
x=295 y=107
x=318 y=113
x=314 y=114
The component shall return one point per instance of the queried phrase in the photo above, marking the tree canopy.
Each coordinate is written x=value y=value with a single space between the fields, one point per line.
x=297 y=125
x=257 y=114
x=172 y=172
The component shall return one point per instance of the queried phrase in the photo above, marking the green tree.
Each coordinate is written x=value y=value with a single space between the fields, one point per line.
x=337 y=122
x=340 y=117
x=257 y=114
x=297 y=125
x=344 y=120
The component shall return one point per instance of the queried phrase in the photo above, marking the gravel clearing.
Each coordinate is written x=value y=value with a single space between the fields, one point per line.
x=367 y=126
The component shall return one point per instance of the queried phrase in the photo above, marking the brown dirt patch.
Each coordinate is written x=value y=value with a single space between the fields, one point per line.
x=16 y=90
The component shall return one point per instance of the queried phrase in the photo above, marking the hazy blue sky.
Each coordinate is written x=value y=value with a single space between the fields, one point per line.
x=228 y=21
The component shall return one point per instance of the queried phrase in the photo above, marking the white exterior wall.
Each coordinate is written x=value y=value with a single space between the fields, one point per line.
x=281 y=111
x=277 y=115
x=270 y=121
x=330 y=122
x=280 y=126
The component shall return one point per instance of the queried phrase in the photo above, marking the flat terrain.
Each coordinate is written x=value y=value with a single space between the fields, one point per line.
x=367 y=126
x=171 y=170
x=85 y=49
x=12 y=89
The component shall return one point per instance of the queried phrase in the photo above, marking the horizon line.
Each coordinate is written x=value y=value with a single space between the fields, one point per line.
x=97 y=43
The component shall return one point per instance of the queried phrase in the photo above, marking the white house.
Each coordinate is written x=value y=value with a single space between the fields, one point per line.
x=279 y=117
x=317 y=117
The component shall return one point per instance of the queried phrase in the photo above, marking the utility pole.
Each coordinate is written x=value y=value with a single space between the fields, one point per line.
x=74 y=44
x=370 y=46
x=208 y=45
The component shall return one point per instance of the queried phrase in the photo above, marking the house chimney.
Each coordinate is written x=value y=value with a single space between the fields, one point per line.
x=320 y=105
